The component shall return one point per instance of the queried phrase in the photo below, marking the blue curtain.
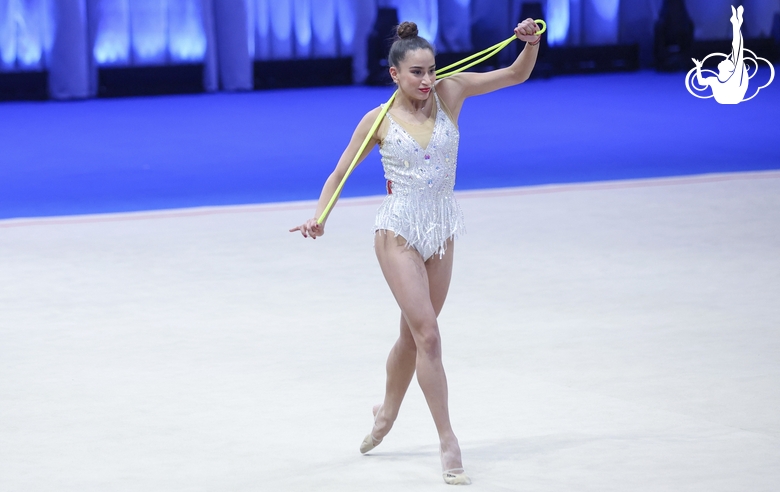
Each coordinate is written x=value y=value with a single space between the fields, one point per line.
x=281 y=19
x=759 y=15
x=142 y=32
x=489 y=22
x=71 y=72
x=324 y=36
x=424 y=13
x=455 y=22
x=148 y=31
x=111 y=19
x=186 y=31
x=210 y=72
x=26 y=35
x=302 y=27
x=711 y=18
x=355 y=21
x=306 y=28
x=558 y=18
x=637 y=21
x=311 y=28
x=600 y=18
x=233 y=41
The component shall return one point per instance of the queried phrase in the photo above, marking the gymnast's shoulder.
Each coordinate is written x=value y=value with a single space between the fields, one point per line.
x=367 y=123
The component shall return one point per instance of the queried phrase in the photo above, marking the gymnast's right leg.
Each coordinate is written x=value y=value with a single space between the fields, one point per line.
x=400 y=370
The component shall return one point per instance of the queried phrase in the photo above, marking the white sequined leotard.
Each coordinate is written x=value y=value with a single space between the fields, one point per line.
x=420 y=205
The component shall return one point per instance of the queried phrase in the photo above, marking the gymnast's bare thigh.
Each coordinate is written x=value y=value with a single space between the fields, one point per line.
x=435 y=272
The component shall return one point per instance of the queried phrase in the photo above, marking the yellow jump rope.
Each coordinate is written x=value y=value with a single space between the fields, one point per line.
x=440 y=73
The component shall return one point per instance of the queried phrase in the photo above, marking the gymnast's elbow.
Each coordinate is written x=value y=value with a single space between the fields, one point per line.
x=336 y=176
x=519 y=76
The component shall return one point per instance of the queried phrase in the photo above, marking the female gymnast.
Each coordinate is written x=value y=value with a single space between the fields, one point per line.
x=419 y=219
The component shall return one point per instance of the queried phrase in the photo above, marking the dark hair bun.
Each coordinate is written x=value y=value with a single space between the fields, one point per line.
x=407 y=30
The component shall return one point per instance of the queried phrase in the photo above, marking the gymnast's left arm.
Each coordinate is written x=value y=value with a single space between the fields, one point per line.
x=466 y=84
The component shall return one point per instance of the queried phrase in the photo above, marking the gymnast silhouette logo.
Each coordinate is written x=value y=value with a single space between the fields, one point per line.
x=730 y=84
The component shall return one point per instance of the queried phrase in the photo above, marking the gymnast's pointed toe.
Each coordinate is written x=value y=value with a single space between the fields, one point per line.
x=456 y=476
x=369 y=443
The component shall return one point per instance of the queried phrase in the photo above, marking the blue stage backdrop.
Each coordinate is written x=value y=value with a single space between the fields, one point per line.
x=72 y=38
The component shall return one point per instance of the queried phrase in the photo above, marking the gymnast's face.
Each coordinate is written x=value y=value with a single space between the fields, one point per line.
x=416 y=74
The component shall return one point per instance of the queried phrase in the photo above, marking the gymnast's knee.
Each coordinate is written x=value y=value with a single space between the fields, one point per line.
x=428 y=340
x=406 y=343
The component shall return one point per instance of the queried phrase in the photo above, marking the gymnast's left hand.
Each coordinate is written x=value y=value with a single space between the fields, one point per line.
x=310 y=228
x=526 y=31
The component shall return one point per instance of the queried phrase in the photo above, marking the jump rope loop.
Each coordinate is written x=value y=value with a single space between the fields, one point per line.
x=440 y=73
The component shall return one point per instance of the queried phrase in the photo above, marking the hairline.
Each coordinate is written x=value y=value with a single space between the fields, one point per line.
x=417 y=49
x=426 y=45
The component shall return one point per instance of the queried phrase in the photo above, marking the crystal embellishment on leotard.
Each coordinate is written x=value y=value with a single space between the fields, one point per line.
x=422 y=207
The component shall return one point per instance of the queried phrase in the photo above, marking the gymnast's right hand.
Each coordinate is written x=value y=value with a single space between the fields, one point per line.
x=310 y=228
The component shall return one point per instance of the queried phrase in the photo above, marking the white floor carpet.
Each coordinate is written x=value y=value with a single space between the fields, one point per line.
x=598 y=337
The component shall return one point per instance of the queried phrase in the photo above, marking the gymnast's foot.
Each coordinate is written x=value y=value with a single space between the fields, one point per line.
x=381 y=427
x=451 y=463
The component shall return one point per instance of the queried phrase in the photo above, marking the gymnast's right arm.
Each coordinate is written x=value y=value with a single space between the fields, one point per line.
x=311 y=228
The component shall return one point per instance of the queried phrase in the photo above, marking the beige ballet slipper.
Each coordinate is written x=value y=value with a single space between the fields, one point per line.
x=370 y=442
x=453 y=478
